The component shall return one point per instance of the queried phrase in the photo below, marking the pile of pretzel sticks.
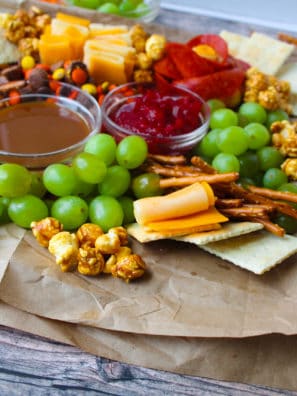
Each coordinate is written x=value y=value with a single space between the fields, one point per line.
x=236 y=202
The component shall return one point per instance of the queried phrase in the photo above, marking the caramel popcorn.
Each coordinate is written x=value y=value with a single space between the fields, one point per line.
x=267 y=90
x=121 y=232
x=284 y=137
x=129 y=267
x=290 y=168
x=88 y=233
x=143 y=76
x=143 y=61
x=64 y=246
x=108 y=243
x=90 y=262
x=114 y=258
x=155 y=46
x=138 y=37
x=45 y=229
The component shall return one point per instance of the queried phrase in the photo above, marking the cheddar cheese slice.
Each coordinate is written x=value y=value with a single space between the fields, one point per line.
x=72 y=19
x=97 y=29
x=189 y=200
x=210 y=216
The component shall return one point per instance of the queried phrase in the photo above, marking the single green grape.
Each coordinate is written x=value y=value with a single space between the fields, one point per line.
x=4 y=217
x=89 y=168
x=223 y=118
x=288 y=187
x=225 y=162
x=83 y=189
x=249 y=164
x=106 y=211
x=71 y=211
x=246 y=181
x=126 y=6
x=15 y=180
x=208 y=146
x=233 y=140
x=273 y=178
x=116 y=181
x=287 y=222
x=269 y=157
x=276 y=115
x=102 y=145
x=258 y=134
x=25 y=209
x=146 y=185
x=128 y=209
x=92 y=4
x=37 y=187
x=141 y=10
x=59 y=179
x=253 y=112
x=109 y=8
x=215 y=104
x=131 y=152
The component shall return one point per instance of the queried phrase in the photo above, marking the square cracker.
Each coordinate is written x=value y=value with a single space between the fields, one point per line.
x=227 y=230
x=234 y=41
x=288 y=72
x=256 y=252
x=265 y=53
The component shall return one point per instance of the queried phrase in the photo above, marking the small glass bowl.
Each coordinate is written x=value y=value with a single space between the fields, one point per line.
x=76 y=100
x=157 y=143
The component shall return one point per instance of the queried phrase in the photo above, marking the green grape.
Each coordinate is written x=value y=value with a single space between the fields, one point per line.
x=106 y=211
x=116 y=181
x=215 y=104
x=223 y=118
x=287 y=222
x=269 y=157
x=83 y=189
x=23 y=210
x=59 y=179
x=233 y=140
x=37 y=187
x=109 y=8
x=249 y=164
x=276 y=115
x=258 y=134
x=128 y=209
x=89 y=168
x=131 y=152
x=273 y=178
x=288 y=187
x=146 y=185
x=126 y=6
x=225 y=163
x=208 y=146
x=15 y=180
x=141 y=10
x=92 y=4
x=253 y=112
x=102 y=145
x=4 y=217
x=71 y=211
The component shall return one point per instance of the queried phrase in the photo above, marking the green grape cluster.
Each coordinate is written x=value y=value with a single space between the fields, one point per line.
x=93 y=187
x=126 y=8
x=240 y=141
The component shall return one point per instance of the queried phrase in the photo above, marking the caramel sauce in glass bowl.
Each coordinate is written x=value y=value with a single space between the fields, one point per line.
x=43 y=129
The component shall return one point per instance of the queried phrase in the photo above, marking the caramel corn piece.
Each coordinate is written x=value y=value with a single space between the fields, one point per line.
x=45 y=229
x=108 y=243
x=88 y=233
x=64 y=246
x=129 y=267
x=90 y=262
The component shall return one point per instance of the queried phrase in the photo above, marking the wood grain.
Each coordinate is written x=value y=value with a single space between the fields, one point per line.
x=31 y=365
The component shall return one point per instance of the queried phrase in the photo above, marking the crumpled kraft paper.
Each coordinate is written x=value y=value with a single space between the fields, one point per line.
x=268 y=360
x=186 y=292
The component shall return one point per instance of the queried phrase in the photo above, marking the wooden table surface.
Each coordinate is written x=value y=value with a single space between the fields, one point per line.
x=31 y=365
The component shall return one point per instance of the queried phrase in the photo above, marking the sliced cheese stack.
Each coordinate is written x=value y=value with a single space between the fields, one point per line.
x=190 y=209
x=109 y=55
x=64 y=39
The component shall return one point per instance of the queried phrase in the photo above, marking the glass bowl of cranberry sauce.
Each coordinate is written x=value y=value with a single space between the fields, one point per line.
x=172 y=119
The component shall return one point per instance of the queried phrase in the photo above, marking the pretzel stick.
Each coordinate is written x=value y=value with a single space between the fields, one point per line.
x=269 y=225
x=287 y=38
x=202 y=165
x=273 y=194
x=229 y=202
x=168 y=159
x=172 y=171
x=211 y=179
x=244 y=211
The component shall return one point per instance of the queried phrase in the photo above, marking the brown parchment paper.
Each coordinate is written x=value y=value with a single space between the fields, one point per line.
x=268 y=360
x=186 y=292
